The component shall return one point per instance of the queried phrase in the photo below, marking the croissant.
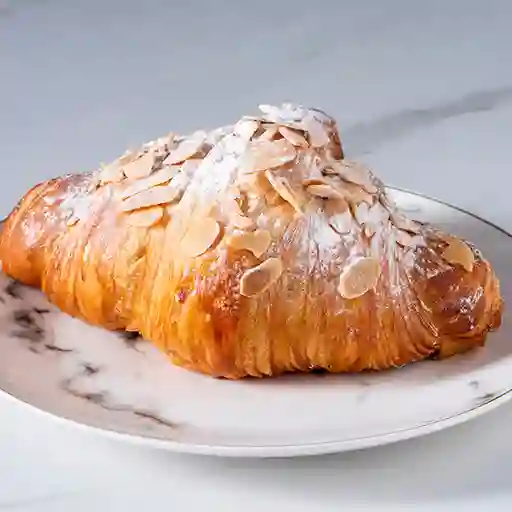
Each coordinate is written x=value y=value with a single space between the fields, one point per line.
x=252 y=250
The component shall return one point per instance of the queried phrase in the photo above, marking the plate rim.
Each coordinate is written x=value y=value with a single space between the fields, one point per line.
x=278 y=450
x=296 y=449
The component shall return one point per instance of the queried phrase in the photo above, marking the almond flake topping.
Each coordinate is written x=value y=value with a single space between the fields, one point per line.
x=257 y=280
x=140 y=168
x=257 y=241
x=459 y=253
x=145 y=218
x=278 y=219
x=242 y=222
x=128 y=157
x=152 y=197
x=234 y=214
x=186 y=149
x=318 y=135
x=189 y=167
x=403 y=238
x=263 y=154
x=336 y=207
x=405 y=223
x=378 y=214
x=111 y=173
x=293 y=136
x=354 y=173
x=215 y=136
x=269 y=133
x=372 y=218
x=283 y=188
x=158 y=178
x=359 y=277
x=355 y=194
x=325 y=191
x=246 y=128
x=340 y=221
x=285 y=114
x=200 y=237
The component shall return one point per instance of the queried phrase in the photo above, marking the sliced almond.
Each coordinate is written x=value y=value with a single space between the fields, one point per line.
x=216 y=135
x=255 y=205
x=140 y=168
x=158 y=178
x=411 y=240
x=189 y=167
x=283 y=188
x=186 y=149
x=111 y=173
x=324 y=191
x=459 y=253
x=371 y=218
x=246 y=128
x=257 y=242
x=242 y=222
x=405 y=223
x=355 y=194
x=293 y=136
x=418 y=241
x=278 y=219
x=72 y=221
x=145 y=218
x=200 y=237
x=247 y=181
x=403 y=238
x=362 y=213
x=257 y=184
x=317 y=180
x=336 y=207
x=152 y=197
x=321 y=116
x=270 y=111
x=257 y=280
x=269 y=133
x=169 y=140
x=310 y=165
x=377 y=214
x=330 y=170
x=359 y=277
x=238 y=219
x=285 y=114
x=128 y=157
x=272 y=198
x=339 y=216
x=263 y=154
x=354 y=173
x=234 y=216
x=318 y=135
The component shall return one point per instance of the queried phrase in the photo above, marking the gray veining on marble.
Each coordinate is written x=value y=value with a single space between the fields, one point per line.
x=364 y=138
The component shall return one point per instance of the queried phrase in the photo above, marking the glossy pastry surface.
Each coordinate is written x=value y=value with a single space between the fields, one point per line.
x=252 y=250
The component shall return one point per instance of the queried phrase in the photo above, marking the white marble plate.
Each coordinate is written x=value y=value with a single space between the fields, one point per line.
x=123 y=387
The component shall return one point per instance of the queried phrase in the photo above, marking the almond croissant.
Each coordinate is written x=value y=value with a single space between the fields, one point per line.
x=252 y=250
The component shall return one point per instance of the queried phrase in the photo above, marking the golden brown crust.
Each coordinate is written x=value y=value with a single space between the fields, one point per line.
x=252 y=251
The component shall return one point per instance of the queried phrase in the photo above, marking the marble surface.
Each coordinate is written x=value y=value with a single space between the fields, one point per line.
x=423 y=93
